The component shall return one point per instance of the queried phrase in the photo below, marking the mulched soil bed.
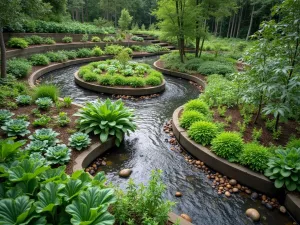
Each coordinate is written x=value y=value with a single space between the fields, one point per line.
x=287 y=129
x=64 y=132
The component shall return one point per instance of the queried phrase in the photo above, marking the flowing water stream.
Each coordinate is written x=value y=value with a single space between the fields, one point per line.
x=147 y=149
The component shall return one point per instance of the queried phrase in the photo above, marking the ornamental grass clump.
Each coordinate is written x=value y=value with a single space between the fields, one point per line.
x=189 y=117
x=106 y=119
x=79 y=141
x=255 y=156
x=46 y=90
x=284 y=168
x=17 y=127
x=45 y=134
x=59 y=154
x=203 y=132
x=198 y=105
x=228 y=145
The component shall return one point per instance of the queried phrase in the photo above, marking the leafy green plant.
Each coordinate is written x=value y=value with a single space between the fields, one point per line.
x=49 y=41
x=242 y=127
x=270 y=124
x=36 y=112
x=44 y=103
x=256 y=134
x=97 y=51
x=113 y=49
x=59 y=154
x=136 y=82
x=90 y=77
x=255 y=157
x=142 y=204
x=109 y=39
x=284 y=168
x=44 y=134
x=70 y=54
x=136 y=38
x=67 y=101
x=95 y=39
x=67 y=39
x=39 y=60
x=63 y=119
x=228 y=119
x=203 y=132
x=35 y=40
x=84 y=53
x=46 y=90
x=85 y=38
x=189 y=117
x=276 y=133
x=19 y=68
x=222 y=110
x=215 y=67
x=57 y=56
x=228 y=145
x=5 y=115
x=293 y=143
x=79 y=141
x=9 y=148
x=23 y=117
x=17 y=43
x=153 y=81
x=16 y=127
x=24 y=100
x=106 y=119
x=42 y=121
x=37 y=146
x=198 y=105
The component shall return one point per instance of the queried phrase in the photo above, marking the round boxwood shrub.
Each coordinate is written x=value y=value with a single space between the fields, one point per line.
x=203 y=132
x=255 y=157
x=198 y=105
x=136 y=82
x=39 y=60
x=189 y=117
x=228 y=145
x=153 y=81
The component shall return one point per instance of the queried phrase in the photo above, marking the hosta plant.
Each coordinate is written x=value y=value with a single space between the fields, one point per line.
x=37 y=146
x=44 y=134
x=24 y=100
x=59 y=154
x=106 y=119
x=5 y=115
x=63 y=119
x=44 y=103
x=79 y=141
x=284 y=168
x=16 y=128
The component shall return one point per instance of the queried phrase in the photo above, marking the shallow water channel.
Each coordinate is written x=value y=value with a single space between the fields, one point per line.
x=146 y=149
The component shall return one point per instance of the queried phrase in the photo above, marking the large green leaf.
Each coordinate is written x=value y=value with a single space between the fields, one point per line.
x=72 y=189
x=49 y=197
x=16 y=211
x=279 y=183
x=8 y=148
x=53 y=174
x=90 y=206
x=285 y=173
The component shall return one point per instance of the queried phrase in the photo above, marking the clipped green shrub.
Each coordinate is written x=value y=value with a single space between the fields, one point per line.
x=189 y=117
x=34 y=40
x=203 y=132
x=294 y=143
x=97 y=51
x=119 y=80
x=57 y=56
x=215 y=67
x=67 y=39
x=46 y=90
x=255 y=156
x=128 y=50
x=106 y=80
x=153 y=81
x=17 y=43
x=19 y=68
x=90 y=76
x=228 y=145
x=95 y=39
x=84 y=53
x=136 y=82
x=113 y=49
x=198 y=105
x=39 y=60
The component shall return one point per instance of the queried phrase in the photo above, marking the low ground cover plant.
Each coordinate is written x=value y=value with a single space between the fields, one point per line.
x=17 y=43
x=39 y=60
x=67 y=39
x=18 y=68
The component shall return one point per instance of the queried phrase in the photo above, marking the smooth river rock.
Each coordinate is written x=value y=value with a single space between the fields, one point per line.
x=232 y=182
x=186 y=217
x=178 y=194
x=282 y=209
x=253 y=214
x=125 y=173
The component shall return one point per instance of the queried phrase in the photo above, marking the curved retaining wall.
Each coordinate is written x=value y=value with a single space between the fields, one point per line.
x=180 y=75
x=119 y=91
x=64 y=46
x=242 y=174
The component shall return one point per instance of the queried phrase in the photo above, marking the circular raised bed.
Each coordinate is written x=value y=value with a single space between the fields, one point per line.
x=119 y=90
x=244 y=175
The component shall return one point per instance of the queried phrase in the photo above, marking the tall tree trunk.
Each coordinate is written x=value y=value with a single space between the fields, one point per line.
x=3 y=54
x=201 y=49
x=82 y=16
x=251 y=22
x=229 y=27
x=197 y=34
x=240 y=21
x=259 y=108
x=220 y=31
x=216 y=27
x=232 y=26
